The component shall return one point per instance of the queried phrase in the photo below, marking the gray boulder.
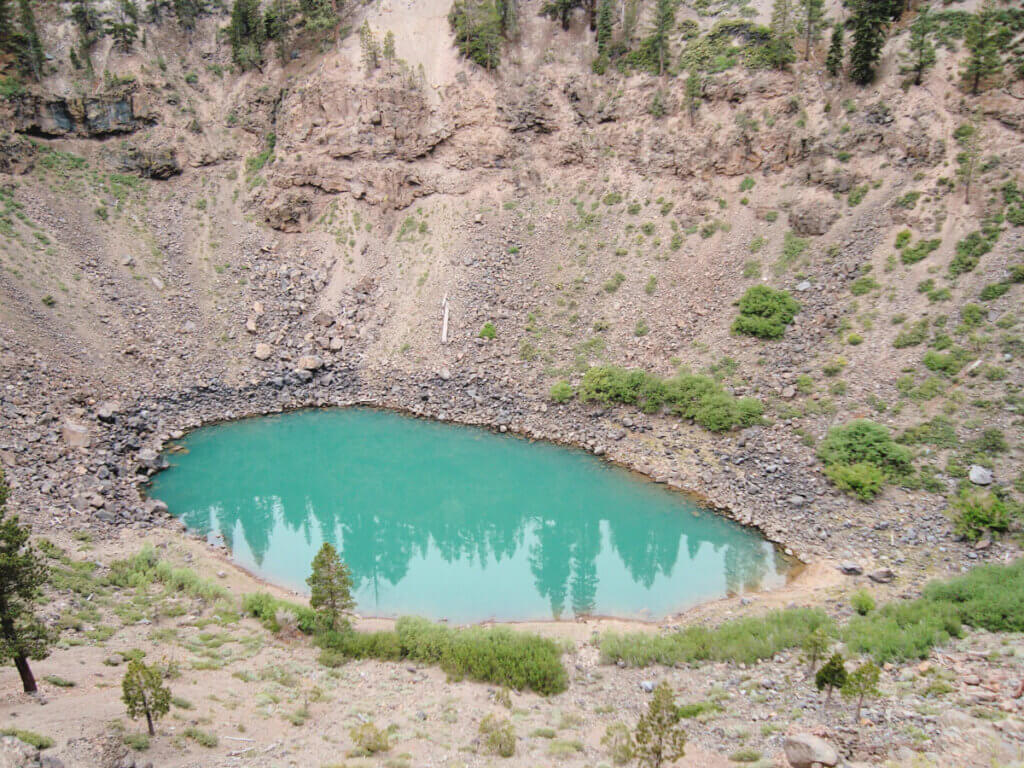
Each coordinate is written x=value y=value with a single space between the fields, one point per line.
x=980 y=475
x=805 y=750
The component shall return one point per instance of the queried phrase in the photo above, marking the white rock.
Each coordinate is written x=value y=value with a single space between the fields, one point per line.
x=803 y=750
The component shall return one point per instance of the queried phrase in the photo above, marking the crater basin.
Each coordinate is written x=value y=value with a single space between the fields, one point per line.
x=456 y=522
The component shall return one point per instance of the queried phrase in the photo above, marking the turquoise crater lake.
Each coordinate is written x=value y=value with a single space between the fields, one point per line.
x=456 y=522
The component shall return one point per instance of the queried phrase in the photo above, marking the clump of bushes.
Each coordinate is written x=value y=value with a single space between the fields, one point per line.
x=765 y=312
x=861 y=457
x=911 y=254
x=989 y=597
x=741 y=640
x=498 y=736
x=146 y=568
x=970 y=250
x=497 y=655
x=690 y=396
x=270 y=610
x=561 y=392
x=977 y=514
x=912 y=335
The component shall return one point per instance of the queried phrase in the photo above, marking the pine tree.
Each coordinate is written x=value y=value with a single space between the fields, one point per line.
x=370 y=48
x=477 y=29
x=247 y=33
x=861 y=684
x=812 y=14
x=277 y=24
x=832 y=675
x=657 y=43
x=6 y=26
x=560 y=10
x=814 y=647
x=187 y=12
x=694 y=94
x=506 y=16
x=982 y=42
x=31 y=48
x=870 y=22
x=779 y=49
x=659 y=738
x=144 y=693
x=22 y=574
x=605 y=22
x=124 y=27
x=968 y=136
x=836 y=51
x=920 y=54
x=330 y=586
x=388 y=50
x=319 y=15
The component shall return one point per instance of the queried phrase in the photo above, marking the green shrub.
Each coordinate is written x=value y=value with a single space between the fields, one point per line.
x=862 y=602
x=60 y=682
x=613 y=283
x=201 y=737
x=740 y=640
x=970 y=250
x=989 y=597
x=368 y=739
x=912 y=335
x=690 y=396
x=792 y=247
x=137 y=741
x=861 y=456
x=863 y=285
x=915 y=253
x=939 y=431
x=499 y=655
x=977 y=514
x=561 y=392
x=765 y=312
x=265 y=607
x=865 y=481
x=949 y=363
x=903 y=238
x=498 y=736
x=902 y=630
x=29 y=737
x=908 y=200
x=857 y=194
x=488 y=331
x=854 y=339
x=993 y=291
x=972 y=315
x=747 y=184
x=1017 y=273
x=146 y=568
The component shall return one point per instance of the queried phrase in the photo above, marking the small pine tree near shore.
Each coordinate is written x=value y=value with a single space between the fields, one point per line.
x=832 y=675
x=144 y=693
x=331 y=586
x=659 y=738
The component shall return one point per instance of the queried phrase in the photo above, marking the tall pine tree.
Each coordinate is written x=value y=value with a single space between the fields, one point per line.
x=22 y=574
x=779 y=49
x=984 y=62
x=247 y=33
x=920 y=54
x=809 y=21
x=870 y=23
x=6 y=26
x=605 y=22
x=30 y=52
x=836 y=51
x=658 y=41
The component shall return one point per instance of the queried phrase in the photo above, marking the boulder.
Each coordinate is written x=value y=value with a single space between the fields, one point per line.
x=310 y=363
x=805 y=750
x=323 y=319
x=851 y=569
x=107 y=411
x=980 y=475
x=812 y=218
x=262 y=351
x=75 y=435
x=882 y=576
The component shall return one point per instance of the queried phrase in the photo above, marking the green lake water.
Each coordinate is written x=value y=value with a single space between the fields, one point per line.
x=455 y=522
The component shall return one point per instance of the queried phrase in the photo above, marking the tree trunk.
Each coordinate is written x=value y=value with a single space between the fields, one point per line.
x=592 y=14
x=149 y=722
x=860 y=703
x=28 y=680
x=807 y=42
